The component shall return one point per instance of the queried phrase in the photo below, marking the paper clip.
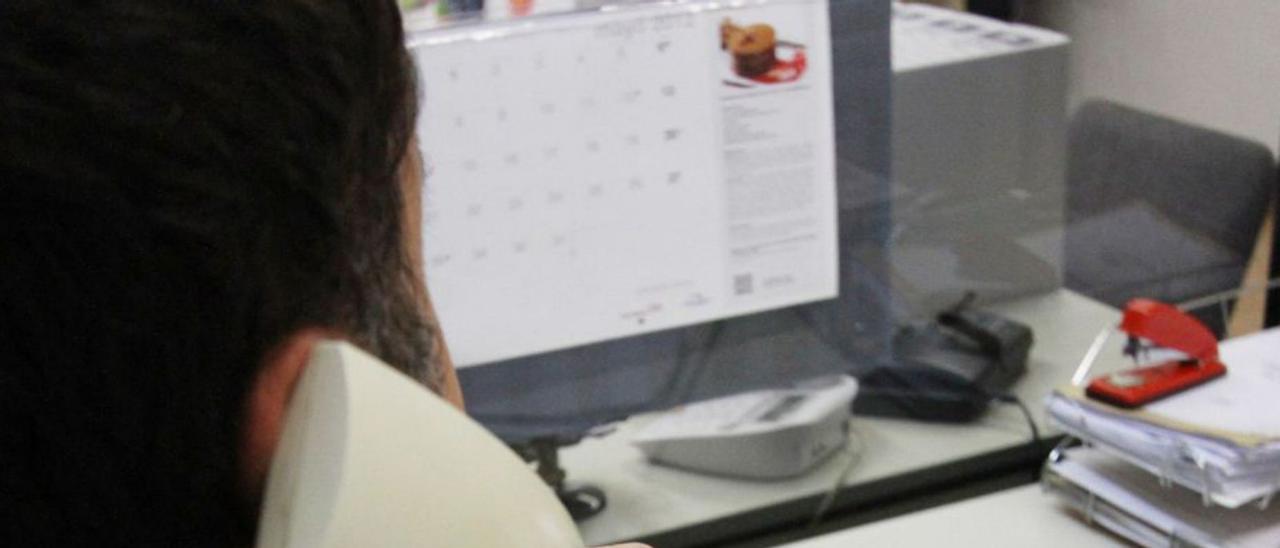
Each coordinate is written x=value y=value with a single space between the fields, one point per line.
x=1059 y=454
x=1089 y=504
x=1165 y=473
x=1179 y=450
x=1207 y=488
x=1265 y=501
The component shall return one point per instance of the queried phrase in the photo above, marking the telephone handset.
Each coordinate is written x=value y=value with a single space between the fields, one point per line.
x=369 y=457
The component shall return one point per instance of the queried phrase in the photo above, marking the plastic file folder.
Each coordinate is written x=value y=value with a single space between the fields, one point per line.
x=1124 y=499
x=1221 y=439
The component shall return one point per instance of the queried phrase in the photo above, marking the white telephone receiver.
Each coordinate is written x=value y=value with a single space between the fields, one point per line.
x=370 y=458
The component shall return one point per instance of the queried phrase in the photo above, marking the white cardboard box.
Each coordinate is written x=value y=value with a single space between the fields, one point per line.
x=979 y=146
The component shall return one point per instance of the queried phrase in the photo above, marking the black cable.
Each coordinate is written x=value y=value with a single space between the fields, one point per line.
x=1026 y=413
x=855 y=457
x=583 y=502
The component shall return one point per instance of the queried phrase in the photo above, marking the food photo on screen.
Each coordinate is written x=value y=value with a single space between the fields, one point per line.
x=755 y=55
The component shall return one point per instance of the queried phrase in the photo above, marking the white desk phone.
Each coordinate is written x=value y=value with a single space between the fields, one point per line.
x=765 y=434
x=371 y=458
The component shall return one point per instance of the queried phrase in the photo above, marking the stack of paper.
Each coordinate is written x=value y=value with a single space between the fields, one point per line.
x=1221 y=439
x=1134 y=504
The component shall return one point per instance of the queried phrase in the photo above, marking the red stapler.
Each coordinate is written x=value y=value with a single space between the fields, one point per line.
x=1150 y=324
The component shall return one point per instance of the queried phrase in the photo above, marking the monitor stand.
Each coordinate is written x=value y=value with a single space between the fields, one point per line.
x=583 y=501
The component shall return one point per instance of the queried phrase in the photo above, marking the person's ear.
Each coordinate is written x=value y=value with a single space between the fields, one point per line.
x=265 y=406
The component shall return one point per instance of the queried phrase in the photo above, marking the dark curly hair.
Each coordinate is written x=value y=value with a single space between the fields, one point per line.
x=182 y=185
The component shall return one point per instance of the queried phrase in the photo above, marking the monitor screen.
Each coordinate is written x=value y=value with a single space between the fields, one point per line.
x=634 y=208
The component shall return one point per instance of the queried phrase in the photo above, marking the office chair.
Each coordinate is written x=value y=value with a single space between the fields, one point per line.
x=1160 y=208
x=1273 y=296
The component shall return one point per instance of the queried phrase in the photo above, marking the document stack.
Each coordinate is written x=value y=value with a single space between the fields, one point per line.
x=1199 y=468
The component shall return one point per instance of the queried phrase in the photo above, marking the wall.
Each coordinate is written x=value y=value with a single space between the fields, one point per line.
x=1213 y=63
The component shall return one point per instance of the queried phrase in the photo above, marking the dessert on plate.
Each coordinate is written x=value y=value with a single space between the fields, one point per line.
x=753 y=47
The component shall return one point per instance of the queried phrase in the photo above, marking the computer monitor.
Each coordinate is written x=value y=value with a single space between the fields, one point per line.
x=531 y=362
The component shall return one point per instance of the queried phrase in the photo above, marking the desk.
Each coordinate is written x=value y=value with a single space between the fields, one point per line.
x=903 y=459
x=1016 y=517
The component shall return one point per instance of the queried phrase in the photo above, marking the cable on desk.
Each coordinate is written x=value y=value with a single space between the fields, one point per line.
x=855 y=457
x=1034 y=444
x=1026 y=414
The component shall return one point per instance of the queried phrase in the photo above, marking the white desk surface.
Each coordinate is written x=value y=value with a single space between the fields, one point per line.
x=1023 y=516
x=646 y=499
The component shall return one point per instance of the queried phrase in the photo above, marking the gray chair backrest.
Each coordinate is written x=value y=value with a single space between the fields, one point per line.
x=1157 y=207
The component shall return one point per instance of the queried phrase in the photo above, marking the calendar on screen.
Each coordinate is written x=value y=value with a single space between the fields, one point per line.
x=603 y=174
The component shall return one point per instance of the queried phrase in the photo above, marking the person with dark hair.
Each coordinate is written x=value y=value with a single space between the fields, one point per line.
x=192 y=194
